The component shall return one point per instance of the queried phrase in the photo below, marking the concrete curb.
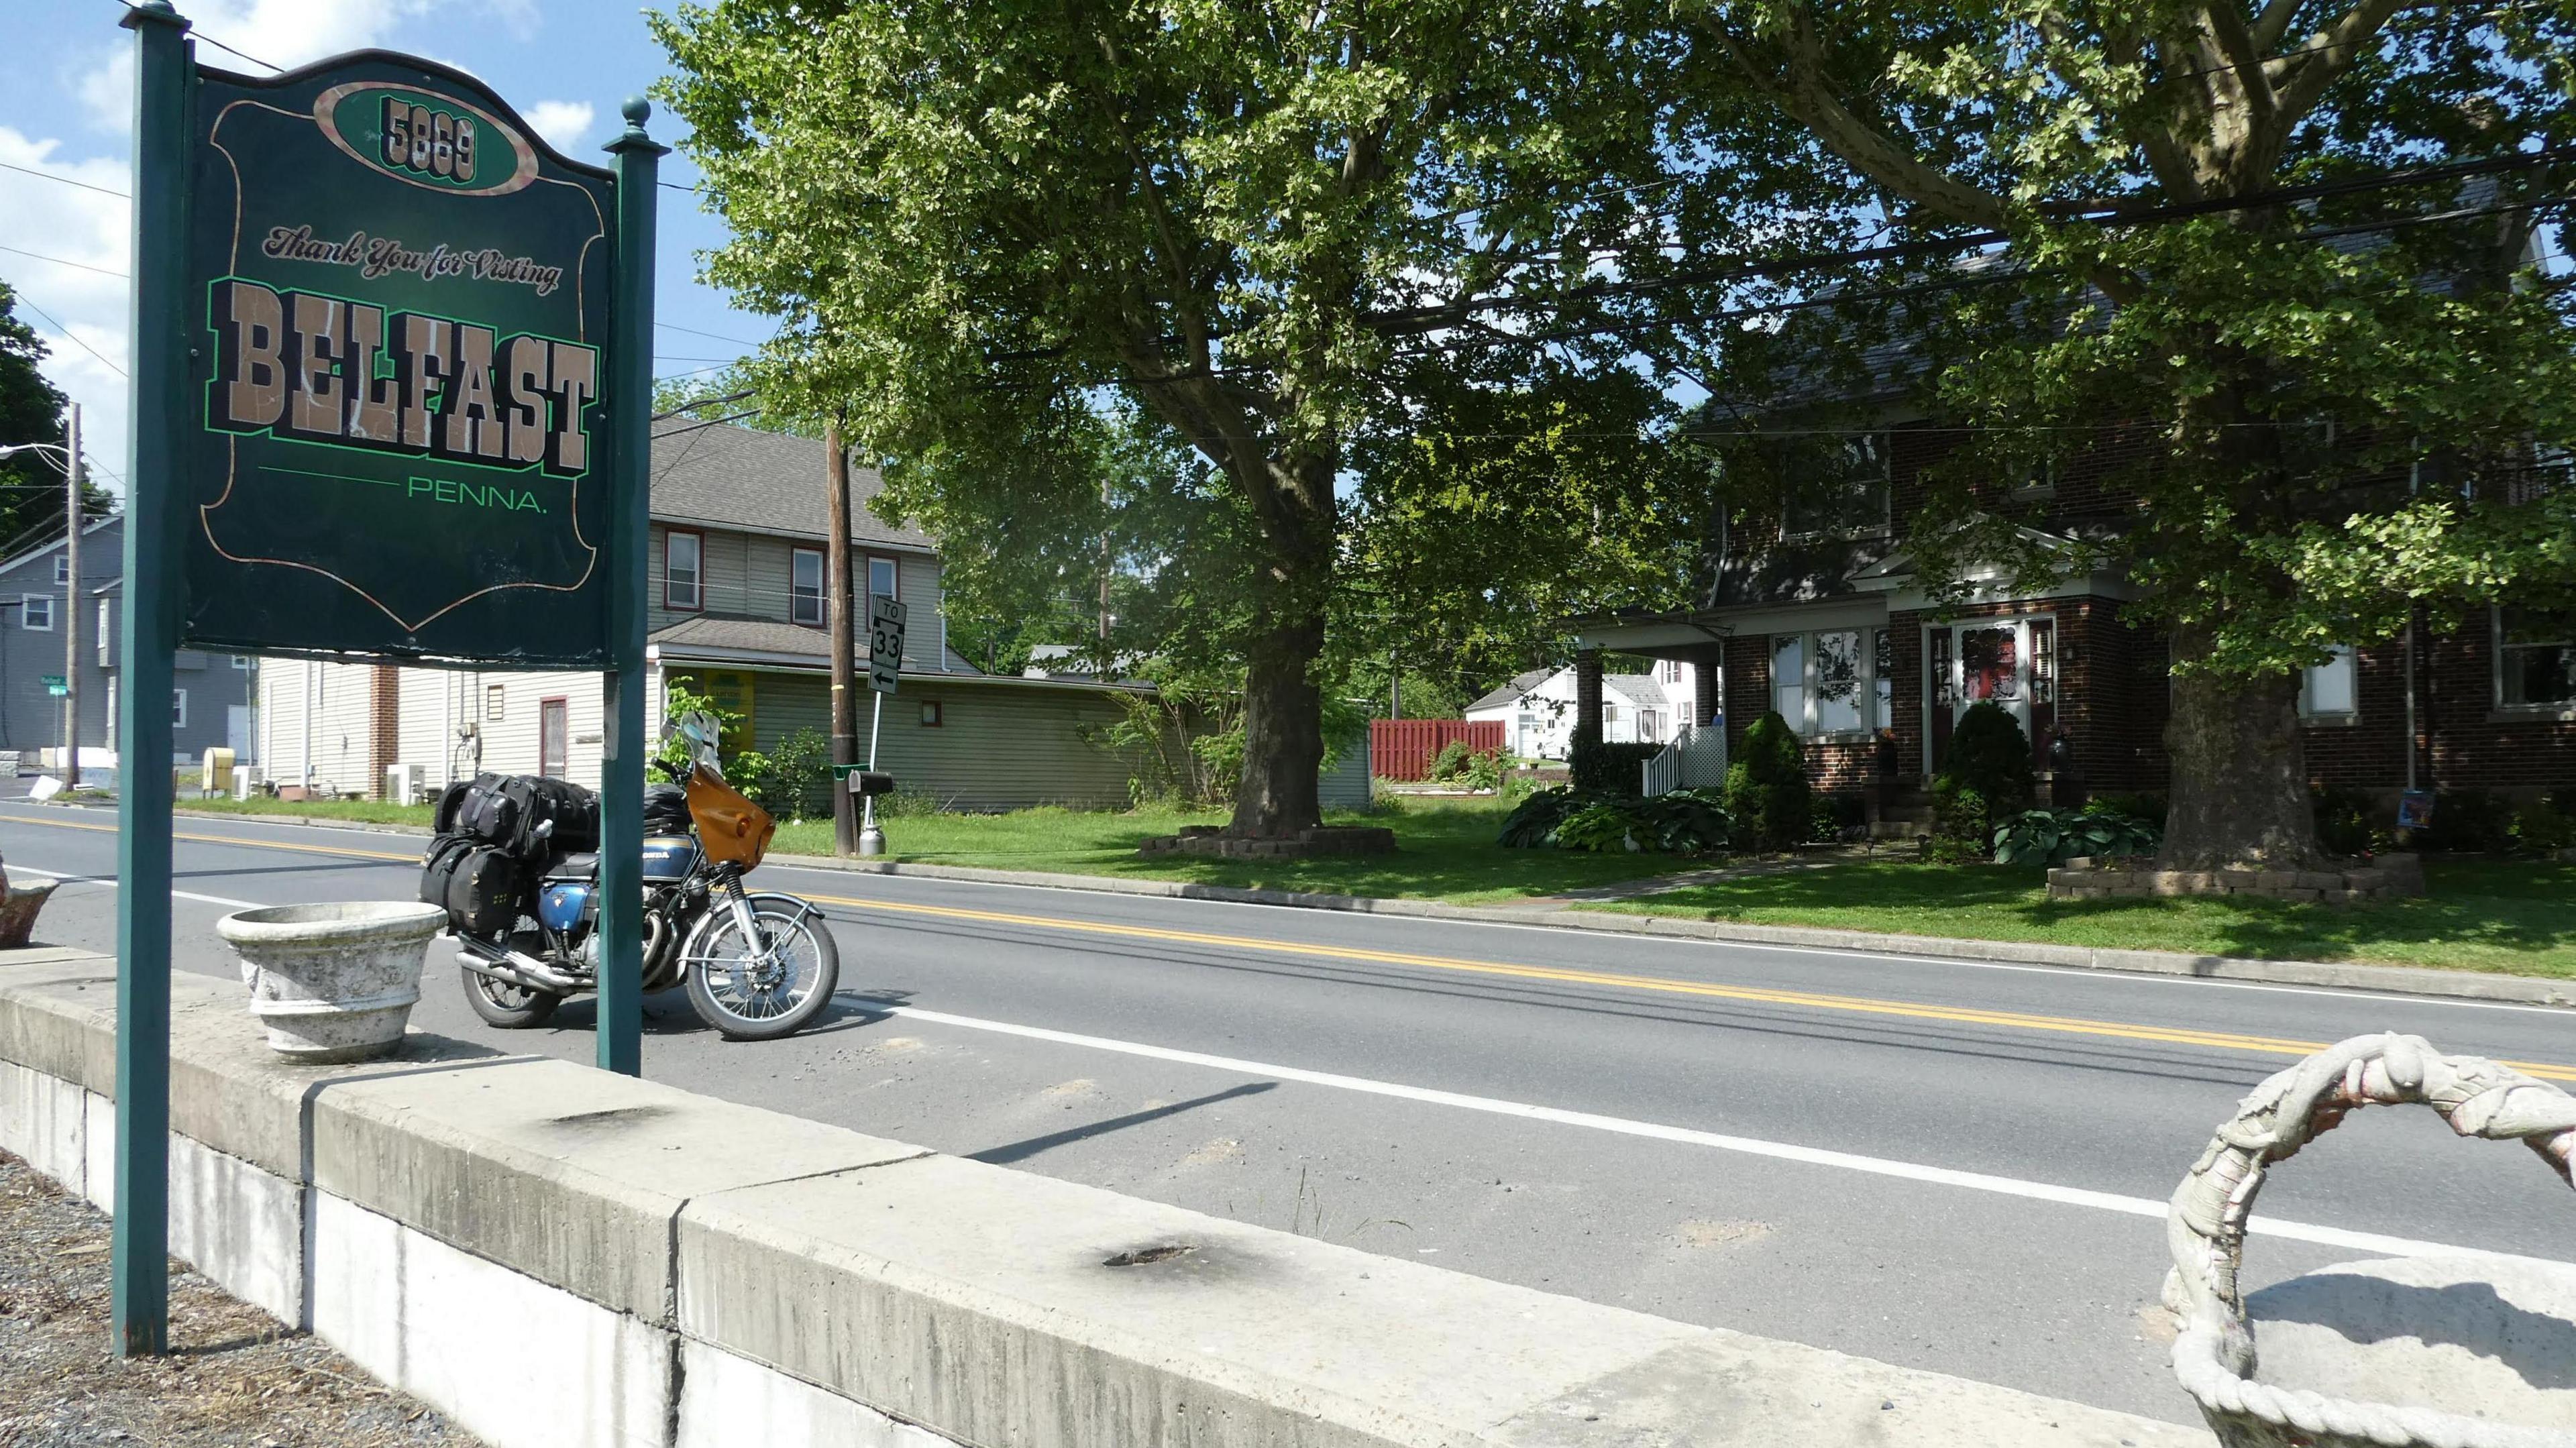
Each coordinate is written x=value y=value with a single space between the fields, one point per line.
x=2326 y=975
x=2394 y=979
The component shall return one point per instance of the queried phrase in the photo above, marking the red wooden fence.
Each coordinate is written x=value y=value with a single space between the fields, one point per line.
x=1404 y=748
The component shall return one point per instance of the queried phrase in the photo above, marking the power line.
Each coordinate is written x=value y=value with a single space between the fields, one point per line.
x=58 y=261
x=710 y=336
x=75 y=336
x=66 y=180
x=219 y=45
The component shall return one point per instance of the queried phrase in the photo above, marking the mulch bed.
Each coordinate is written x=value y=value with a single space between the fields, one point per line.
x=235 y=1377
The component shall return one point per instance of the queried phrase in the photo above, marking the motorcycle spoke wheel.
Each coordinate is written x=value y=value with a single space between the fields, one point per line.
x=751 y=993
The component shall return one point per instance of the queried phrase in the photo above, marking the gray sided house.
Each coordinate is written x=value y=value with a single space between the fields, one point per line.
x=736 y=575
x=211 y=695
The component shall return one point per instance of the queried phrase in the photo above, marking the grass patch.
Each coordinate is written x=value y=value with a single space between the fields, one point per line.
x=2508 y=916
x=1445 y=850
x=350 y=811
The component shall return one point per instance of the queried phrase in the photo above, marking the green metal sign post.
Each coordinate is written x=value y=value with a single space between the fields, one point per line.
x=164 y=80
x=623 y=747
x=391 y=390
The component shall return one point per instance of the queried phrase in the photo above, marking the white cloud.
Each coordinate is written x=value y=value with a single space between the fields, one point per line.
x=564 y=124
x=280 y=33
x=84 y=233
x=106 y=91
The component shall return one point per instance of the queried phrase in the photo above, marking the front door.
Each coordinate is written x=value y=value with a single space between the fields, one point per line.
x=2011 y=664
x=554 y=738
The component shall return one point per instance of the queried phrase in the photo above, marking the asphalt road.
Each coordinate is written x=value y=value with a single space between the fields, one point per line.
x=1952 y=1165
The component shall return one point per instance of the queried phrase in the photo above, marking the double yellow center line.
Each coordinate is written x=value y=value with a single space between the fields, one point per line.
x=1661 y=985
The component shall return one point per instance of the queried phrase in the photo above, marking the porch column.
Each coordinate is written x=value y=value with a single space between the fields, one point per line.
x=1706 y=697
x=1587 y=699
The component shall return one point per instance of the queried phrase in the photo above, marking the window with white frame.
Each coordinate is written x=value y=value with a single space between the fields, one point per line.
x=62 y=568
x=495 y=702
x=805 y=586
x=36 y=611
x=683 y=577
x=2535 y=659
x=178 y=708
x=2037 y=480
x=2330 y=690
x=1789 y=679
x=1833 y=681
x=1882 y=674
x=881 y=578
x=1668 y=671
x=242 y=662
x=1839 y=489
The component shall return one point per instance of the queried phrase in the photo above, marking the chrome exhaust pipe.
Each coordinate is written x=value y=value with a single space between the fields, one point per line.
x=518 y=969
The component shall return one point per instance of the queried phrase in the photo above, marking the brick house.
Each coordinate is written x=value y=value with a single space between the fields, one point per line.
x=1822 y=617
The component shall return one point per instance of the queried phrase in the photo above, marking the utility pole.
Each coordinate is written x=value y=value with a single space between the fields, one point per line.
x=72 y=599
x=840 y=618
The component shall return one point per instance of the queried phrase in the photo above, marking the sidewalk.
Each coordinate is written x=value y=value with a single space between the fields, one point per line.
x=235 y=1377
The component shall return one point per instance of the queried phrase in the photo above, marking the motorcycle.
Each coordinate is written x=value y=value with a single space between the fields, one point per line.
x=757 y=966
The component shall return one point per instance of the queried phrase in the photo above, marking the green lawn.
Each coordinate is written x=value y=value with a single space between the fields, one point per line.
x=1445 y=851
x=355 y=811
x=2495 y=915
x=2514 y=916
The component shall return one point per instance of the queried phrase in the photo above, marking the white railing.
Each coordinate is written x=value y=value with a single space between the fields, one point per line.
x=1695 y=759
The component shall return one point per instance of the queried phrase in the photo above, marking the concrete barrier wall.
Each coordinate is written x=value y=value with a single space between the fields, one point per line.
x=555 y=1256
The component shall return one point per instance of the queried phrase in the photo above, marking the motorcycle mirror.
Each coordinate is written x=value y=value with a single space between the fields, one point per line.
x=700 y=730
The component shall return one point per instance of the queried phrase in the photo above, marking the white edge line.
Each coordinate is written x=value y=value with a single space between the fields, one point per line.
x=60 y=878
x=1749 y=1146
x=2077 y=972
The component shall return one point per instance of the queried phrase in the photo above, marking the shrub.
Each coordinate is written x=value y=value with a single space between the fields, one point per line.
x=2147 y=807
x=1837 y=815
x=1962 y=824
x=1686 y=821
x=1767 y=797
x=1534 y=820
x=1610 y=768
x=1988 y=753
x=2548 y=824
x=2054 y=836
x=1451 y=761
x=2345 y=821
x=1603 y=825
x=1483 y=771
x=2470 y=821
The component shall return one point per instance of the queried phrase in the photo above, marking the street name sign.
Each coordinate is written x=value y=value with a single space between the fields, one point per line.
x=885 y=642
x=55 y=685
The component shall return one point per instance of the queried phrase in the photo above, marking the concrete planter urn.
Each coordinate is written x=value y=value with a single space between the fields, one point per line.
x=2435 y=1352
x=333 y=982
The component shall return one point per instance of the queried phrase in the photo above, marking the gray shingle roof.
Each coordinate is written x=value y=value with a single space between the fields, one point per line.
x=1511 y=692
x=761 y=636
x=1638 y=689
x=769 y=482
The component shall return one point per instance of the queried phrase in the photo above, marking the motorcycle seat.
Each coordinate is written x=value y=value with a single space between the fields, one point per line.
x=577 y=865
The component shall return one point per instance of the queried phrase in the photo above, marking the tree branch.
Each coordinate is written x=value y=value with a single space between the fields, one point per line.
x=2244 y=66
x=2300 y=80
x=2274 y=23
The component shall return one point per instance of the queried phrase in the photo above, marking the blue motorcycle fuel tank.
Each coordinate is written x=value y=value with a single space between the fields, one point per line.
x=563 y=904
x=667 y=858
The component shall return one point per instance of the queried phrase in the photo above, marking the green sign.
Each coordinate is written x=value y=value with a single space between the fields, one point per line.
x=55 y=686
x=402 y=372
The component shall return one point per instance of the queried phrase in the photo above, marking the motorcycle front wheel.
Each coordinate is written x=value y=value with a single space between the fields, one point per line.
x=749 y=996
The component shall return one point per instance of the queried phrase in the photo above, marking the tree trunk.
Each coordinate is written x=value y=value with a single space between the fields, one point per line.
x=2240 y=774
x=1283 y=708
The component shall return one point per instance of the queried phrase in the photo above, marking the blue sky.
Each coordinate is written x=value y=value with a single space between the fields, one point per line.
x=66 y=90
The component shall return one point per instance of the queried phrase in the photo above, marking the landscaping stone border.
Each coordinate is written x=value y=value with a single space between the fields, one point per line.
x=2089 y=879
x=1212 y=842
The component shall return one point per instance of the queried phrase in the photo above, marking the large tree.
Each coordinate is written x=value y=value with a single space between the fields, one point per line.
x=978 y=221
x=2166 y=232
x=31 y=410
